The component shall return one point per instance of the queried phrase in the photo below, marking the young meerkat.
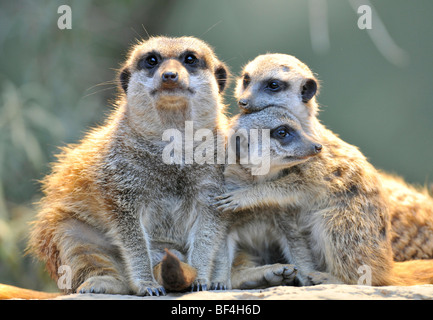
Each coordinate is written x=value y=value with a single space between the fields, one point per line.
x=337 y=196
x=267 y=246
x=112 y=205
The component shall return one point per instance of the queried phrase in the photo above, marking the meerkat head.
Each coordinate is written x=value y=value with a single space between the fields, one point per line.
x=288 y=145
x=278 y=80
x=170 y=77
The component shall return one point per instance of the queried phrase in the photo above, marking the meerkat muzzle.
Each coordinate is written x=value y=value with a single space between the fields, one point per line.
x=173 y=76
x=170 y=77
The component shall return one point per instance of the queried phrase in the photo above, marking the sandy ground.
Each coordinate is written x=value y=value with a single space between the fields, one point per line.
x=321 y=292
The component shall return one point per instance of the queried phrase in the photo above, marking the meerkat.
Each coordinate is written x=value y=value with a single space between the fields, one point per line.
x=410 y=208
x=337 y=196
x=267 y=246
x=111 y=205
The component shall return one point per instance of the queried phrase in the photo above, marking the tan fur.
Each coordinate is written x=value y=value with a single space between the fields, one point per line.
x=415 y=272
x=11 y=292
x=411 y=211
x=111 y=205
x=340 y=200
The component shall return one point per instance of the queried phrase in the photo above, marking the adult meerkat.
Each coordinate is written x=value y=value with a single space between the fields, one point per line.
x=337 y=196
x=111 y=204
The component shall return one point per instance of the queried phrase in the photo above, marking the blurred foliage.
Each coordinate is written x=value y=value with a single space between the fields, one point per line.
x=54 y=84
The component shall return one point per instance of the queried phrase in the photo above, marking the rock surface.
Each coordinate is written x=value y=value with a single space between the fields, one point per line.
x=320 y=292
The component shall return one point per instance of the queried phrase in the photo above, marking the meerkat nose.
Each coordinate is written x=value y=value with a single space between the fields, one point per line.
x=243 y=103
x=318 y=148
x=170 y=76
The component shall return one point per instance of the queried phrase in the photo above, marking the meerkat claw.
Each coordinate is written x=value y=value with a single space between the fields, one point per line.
x=223 y=196
x=218 y=286
x=198 y=286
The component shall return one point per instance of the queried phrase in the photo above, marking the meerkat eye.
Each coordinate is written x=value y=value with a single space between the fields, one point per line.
x=151 y=61
x=280 y=133
x=274 y=85
x=246 y=80
x=190 y=59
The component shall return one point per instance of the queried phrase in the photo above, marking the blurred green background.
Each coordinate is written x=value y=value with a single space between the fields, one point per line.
x=54 y=84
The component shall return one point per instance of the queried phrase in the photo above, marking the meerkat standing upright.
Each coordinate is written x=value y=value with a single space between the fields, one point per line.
x=111 y=204
x=338 y=198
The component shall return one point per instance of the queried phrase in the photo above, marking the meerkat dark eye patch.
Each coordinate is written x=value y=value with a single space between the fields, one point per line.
x=274 y=85
x=308 y=90
x=191 y=61
x=149 y=61
x=280 y=132
x=283 y=134
x=221 y=77
x=124 y=77
x=246 y=81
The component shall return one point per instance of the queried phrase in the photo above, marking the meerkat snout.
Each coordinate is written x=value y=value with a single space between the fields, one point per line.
x=170 y=76
x=243 y=103
x=245 y=106
x=173 y=75
x=312 y=150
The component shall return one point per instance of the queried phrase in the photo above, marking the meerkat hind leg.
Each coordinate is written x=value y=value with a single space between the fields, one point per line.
x=264 y=276
x=96 y=262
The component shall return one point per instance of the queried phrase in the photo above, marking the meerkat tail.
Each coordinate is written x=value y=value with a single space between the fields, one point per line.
x=413 y=272
x=173 y=274
x=11 y=292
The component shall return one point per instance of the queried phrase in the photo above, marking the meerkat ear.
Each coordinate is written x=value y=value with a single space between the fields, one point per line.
x=124 y=77
x=308 y=90
x=221 y=76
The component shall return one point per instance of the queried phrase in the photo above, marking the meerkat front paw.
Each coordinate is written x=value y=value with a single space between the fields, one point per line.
x=226 y=202
x=103 y=284
x=231 y=201
x=149 y=288
x=317 y=277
